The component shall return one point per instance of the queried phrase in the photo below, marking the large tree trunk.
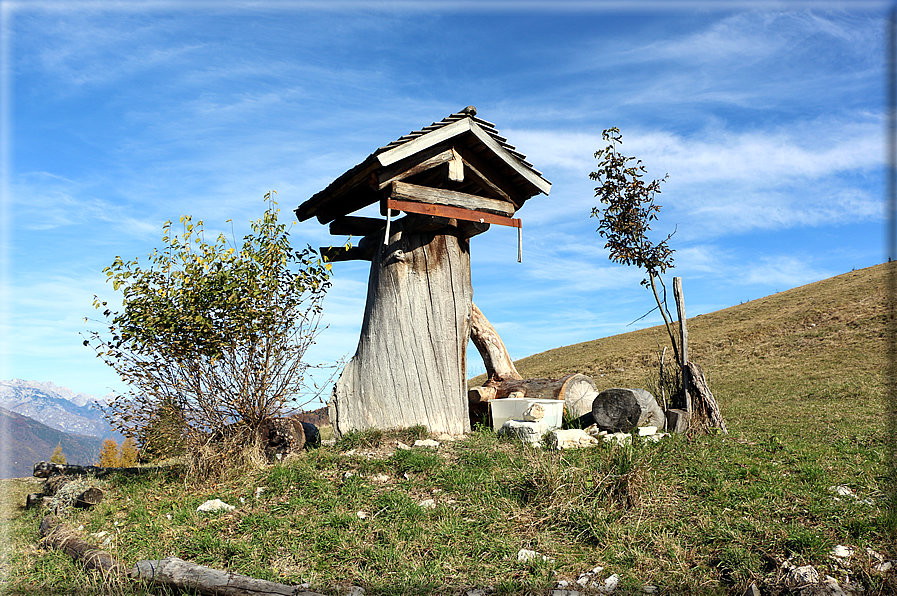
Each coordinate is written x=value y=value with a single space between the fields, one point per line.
x=411 y=367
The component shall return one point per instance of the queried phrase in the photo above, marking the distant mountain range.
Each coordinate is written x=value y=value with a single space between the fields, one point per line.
x=25 y=441
x=57 y=407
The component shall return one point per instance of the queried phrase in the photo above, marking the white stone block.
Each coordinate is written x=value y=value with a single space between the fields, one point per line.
x=527 y=431
x=570 y=439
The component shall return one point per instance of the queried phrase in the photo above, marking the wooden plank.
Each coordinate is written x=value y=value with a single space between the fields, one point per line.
x=425 y=141
x=537 y=181
x=404 y=191
x=453 y=212
x=455 y=167
x=400 y=171
x=355 y=226
x=335 y=254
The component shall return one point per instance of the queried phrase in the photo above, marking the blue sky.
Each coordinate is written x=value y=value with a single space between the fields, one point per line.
x=768 y=118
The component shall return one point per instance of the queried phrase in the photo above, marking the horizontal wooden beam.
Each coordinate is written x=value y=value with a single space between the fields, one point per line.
x=452 y=212
x=335 y=254
x=404 y=191
x=356 y=226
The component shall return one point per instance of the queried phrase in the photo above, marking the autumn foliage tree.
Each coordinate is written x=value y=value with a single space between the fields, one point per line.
x=109 y=457
x=58 y=456
x=211 y=334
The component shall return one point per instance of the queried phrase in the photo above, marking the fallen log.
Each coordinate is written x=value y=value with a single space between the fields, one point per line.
x=43 y=469
x=575 y=389
x=171 y=571
x=181 y=574
x=57 y=535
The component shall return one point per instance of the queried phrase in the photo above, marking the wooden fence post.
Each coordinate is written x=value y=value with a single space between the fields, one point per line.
x=683 y=343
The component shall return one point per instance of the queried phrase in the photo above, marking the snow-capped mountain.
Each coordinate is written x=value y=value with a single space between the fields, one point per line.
x=57 y=407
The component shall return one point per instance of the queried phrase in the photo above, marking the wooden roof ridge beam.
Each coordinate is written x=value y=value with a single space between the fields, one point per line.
x=414 y=193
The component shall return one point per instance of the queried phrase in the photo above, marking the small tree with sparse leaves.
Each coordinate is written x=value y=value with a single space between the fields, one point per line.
x=625 y=215
x=212 y=335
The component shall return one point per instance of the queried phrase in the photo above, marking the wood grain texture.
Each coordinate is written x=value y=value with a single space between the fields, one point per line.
x=57 y=535
x=405 y=191
x=410 y=366
x=181 y=574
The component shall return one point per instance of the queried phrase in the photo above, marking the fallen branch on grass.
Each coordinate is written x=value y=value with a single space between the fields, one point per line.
x=170 y=571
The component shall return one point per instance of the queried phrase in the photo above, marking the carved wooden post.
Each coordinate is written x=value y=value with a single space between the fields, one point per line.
x=413 y=338
x=453 y=179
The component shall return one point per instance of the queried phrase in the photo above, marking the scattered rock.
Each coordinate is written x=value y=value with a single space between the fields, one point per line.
x=215 y=505
x=361 y=514
x=651 y=413
x=527 y=431
x=525 y=555
x=610 y=584
x=259 y=491
x=563 y=592
x=800 y=576
x=842 y=552
x=380 y=478
x=620 y=438
x=534 y=413
x=428 y=504
x=844 y=491
x=426 y=443
x=402 y=446
x=570 y=439
x=649 y=589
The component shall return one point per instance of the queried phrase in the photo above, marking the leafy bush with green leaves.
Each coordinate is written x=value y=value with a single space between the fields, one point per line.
x=211 y=335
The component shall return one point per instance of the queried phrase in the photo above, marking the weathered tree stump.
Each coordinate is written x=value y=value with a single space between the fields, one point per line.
x=410 y=367
x=705 y=410
x=616 y=410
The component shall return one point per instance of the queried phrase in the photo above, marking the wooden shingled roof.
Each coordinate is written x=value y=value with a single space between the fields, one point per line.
x=495 y=168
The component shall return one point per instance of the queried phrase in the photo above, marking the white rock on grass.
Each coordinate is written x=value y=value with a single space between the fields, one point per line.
x=426 y=443
x=804 y=575
x=570 y=439
x=525 y=555
x=842 y=552
x=215 y=505
x=527 y=431
x=427 y=504
x=620 y=438
x=610 y=584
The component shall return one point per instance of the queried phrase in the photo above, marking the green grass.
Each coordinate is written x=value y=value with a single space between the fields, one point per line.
x=799 y=376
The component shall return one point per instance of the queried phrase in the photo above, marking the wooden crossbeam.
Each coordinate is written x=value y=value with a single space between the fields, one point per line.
x=452 y=212
x=416 y=193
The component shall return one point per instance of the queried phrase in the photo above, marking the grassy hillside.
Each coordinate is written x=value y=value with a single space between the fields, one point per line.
x=799 y=376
